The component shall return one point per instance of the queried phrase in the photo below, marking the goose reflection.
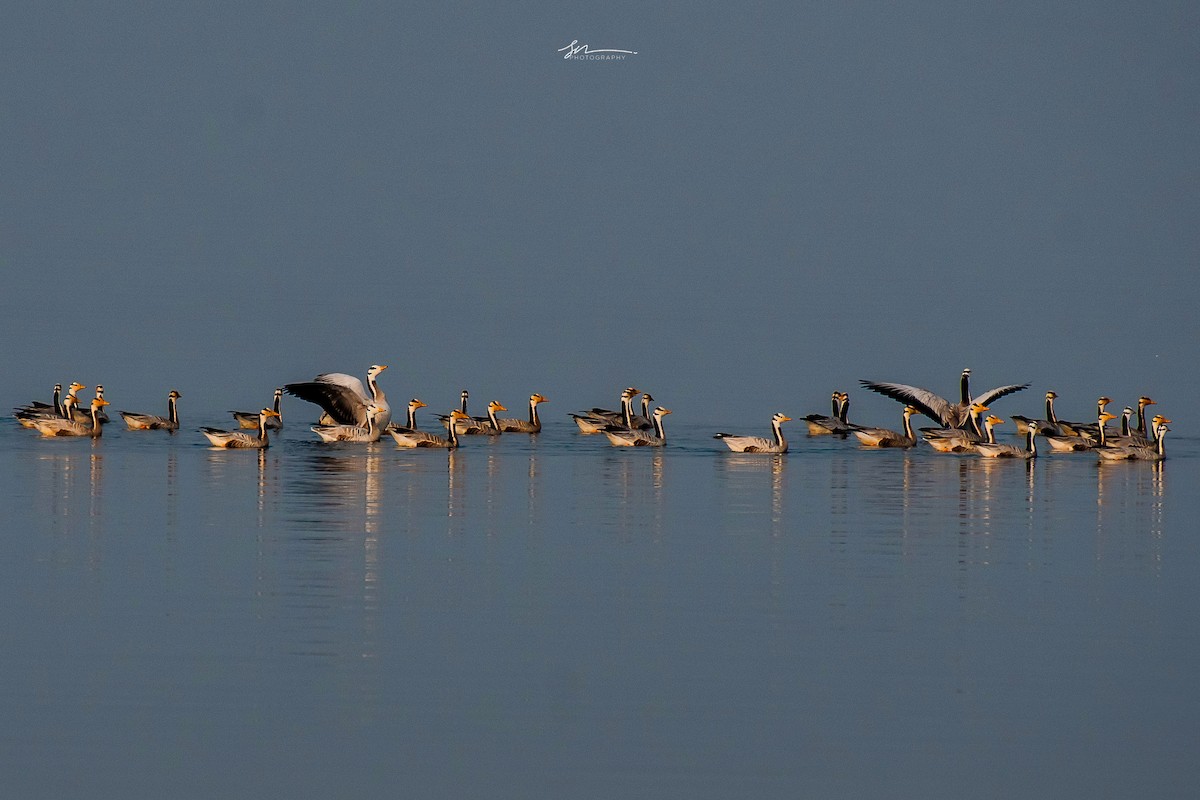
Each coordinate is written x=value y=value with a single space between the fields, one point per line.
x=743 y=477
x=338 y=488
x=172 y=489
x=456 y=485
x=629 y=482
x=95 y=460
x=225 y=468
x=73 y=476
x=532 y=474
x=1131 y=484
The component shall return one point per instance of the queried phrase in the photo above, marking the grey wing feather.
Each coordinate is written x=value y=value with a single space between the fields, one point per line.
x=348 y=381
x=991 y=395
x=339 y=402
x=931 y=405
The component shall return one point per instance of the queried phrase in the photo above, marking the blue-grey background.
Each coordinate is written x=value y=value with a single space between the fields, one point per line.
x=761 y=206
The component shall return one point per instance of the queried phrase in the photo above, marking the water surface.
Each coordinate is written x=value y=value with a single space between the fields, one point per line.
x=553 y=617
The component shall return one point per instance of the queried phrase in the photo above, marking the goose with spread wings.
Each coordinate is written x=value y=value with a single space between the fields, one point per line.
x=939 y=409
x=344 y=398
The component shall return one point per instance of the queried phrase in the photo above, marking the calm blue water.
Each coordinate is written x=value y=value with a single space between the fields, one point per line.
x=552 y=617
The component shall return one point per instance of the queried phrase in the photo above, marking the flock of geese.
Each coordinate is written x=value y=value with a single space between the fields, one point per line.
x=356 y=412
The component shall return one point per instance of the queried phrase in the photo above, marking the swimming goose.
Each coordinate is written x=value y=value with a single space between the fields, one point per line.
x=475 y=426
x=643 y=420
x=415 y=438
x=352 y=433
x=835 y=423
x=1143 y=401
x=27 y=418
x=757 y=444
x=1074 y=443
x=72 y=408
x=1126 y=428
x=61 y=408
x=1129 y=436
x=462 y=406
x=1049 y=425
x=55 y=406
x=597 y=419
x=989 y=428
x=344 y=398
x=958 y=440
x=1126 y=418
x=531 y=425
x=937 y=408
x=61 y=426
x=483 y=426
x=240 y=439
x=882 y=437
x=81 y=414
x=1138 y=452
x=632 y=437
x=1004 y=450
x=1089 y=429
x=411 y=419
x=249 y=419
x=149 y=422
x=409 y=436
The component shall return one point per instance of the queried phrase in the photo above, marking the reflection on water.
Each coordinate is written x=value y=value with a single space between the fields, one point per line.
x=741 y=476
x=519 y=606
x=1127 y=487
x=456 y=492
x=631 y=484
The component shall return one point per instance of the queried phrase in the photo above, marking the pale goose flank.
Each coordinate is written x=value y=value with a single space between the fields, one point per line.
x=620 y=436
x=531 y=425
x=239 y=439
x=759 y=444
x=61 y=426
x=150 y=422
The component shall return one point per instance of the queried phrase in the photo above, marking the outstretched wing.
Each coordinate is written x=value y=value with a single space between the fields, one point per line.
x=931 y=405
x=341 y=396
x=991 y=395
x=347 y=381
